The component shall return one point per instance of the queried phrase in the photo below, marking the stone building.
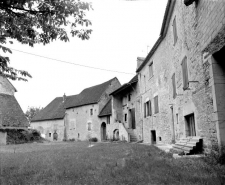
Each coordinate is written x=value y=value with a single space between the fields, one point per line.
x=87 y=116
x=182 y=78
x=126 y=111
x=11 y=114
x=79 y=116
x=50 y=121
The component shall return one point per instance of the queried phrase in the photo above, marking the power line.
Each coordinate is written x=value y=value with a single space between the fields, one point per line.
x=63 y=61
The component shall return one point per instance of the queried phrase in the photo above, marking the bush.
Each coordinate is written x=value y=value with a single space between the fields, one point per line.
x=216 y=155
x=93 y=139
x=19 y=136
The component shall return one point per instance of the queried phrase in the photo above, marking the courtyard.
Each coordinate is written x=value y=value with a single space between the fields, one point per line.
x=103 y=163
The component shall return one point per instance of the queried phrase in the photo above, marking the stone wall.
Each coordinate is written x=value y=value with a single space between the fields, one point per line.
x=197 y=26
x=47 y=128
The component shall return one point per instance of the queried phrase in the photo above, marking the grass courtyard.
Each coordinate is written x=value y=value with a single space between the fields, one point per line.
x=104 y=163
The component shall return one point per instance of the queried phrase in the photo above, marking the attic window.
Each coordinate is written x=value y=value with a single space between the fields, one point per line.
x=91 y=112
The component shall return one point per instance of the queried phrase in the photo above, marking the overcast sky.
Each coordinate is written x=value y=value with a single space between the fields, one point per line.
x=122 y=31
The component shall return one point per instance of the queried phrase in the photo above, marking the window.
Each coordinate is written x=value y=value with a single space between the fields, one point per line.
x=147 y=109
x=185 y=73
x=175 y=37
x=91 y=112
x=156 y=104
x=125 y=117
x=129 y=97
x=89 y=126
x=174 y=86
x=108 y=119
x=50 y=134
x=151 y=70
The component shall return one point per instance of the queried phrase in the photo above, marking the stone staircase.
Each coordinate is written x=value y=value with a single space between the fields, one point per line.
x=189 y=145
x=133 y=137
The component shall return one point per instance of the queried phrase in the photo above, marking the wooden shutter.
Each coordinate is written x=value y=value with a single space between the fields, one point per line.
x=145 y=110
x=175 y=30
x=151 y=70
x=150 y=108
x=156 y=104
x=174 y=86
x=185 y=73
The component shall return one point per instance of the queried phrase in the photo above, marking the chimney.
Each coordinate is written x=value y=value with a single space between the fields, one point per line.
x=64 y=98
x=139 y=61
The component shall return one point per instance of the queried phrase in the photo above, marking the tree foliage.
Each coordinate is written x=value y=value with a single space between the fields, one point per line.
x=39 y=21
x=31 y=112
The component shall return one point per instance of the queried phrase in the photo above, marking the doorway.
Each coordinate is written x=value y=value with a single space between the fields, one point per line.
x=132 y=123
x=55 y=136
x=153 y=137
x=103 y=131
x=190 y=125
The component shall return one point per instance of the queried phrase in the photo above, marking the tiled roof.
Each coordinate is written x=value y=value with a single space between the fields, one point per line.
x=107 y=109
x=90 y=95
x=56 y=109
x=11 y=114
x=126 y=85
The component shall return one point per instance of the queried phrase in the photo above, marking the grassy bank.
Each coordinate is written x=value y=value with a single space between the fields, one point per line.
x=124 y=163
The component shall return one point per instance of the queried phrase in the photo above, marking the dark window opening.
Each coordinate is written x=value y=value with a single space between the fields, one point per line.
x=151 y=70
x=129 y=97
x=174 y=86
x=108 y=119
x=125 y=117
x=78 y=135
x=50 y=134
x=148 y=108
x=91 y=112
x=160 y=139
x=153 y=137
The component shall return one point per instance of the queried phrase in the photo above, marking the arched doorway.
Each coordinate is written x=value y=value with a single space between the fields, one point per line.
x=116 y=135
x=103 y=131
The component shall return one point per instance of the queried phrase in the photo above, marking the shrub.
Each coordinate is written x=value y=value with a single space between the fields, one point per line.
x=19 y=136
x=216 y=155
x=93 y=139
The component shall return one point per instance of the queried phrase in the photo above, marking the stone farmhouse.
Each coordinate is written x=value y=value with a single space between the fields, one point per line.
x=182 y=79
x=177 y=95
x=11 y=114
x=79 y=116
x=126 y=111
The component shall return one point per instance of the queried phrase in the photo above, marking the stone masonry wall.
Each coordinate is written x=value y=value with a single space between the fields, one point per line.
x=195 y=30
x=49 y=127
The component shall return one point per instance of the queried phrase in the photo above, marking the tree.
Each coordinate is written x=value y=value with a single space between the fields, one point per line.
x=31 y=112
x=39 y=21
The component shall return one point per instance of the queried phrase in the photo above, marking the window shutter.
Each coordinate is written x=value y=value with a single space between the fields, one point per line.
x=145 y=110
x=151 y=70
x=185 y=73
x=175 y=30
x=156 y=104
x=150 y=108
x=174 y=86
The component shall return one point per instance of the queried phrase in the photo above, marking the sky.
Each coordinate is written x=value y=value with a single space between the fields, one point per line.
x=122 y=31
